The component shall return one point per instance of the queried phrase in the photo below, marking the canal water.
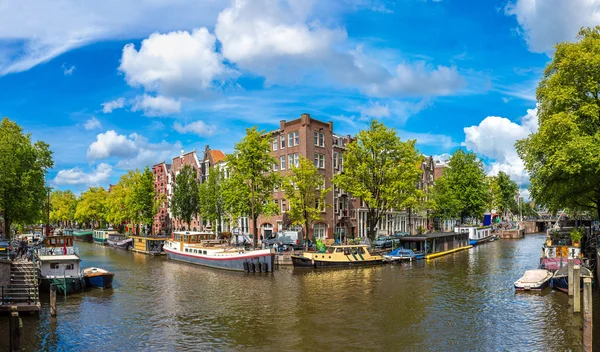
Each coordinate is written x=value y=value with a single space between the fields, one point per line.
x=461 y=302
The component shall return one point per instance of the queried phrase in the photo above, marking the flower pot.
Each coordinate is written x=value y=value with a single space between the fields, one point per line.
x=576 y=244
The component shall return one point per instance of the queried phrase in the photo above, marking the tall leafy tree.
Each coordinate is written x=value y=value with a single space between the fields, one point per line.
x=62 y=206
x=305 y=190
x=185 y=201
x=212 y=203
x=467 y=183
x=118 y=200
x=23 y=166
x=142 y=201
x=250 y=178
x=91 y=206
x=563 y=156
x=380 y=169
x=505 y=190
x=445 y=202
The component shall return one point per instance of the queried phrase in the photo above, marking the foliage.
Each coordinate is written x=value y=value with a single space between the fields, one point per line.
x=305 y=190
x=117 y=209
x=62 y=206
x=504 y=190
x=251 y=184
x=414 y=203
x=528 y=210
x=381 y=170
x=23 y=166
x=185 y=201
x=91 y=206
x=563 y=156
x=576 y=235
x=211 y=197
x=445 y=201
x=141 y=202
x=466 y=186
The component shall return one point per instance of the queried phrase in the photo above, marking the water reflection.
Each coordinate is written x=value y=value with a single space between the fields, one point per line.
x=464 y=301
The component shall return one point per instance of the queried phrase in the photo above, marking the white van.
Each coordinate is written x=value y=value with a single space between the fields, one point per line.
x=288 y=238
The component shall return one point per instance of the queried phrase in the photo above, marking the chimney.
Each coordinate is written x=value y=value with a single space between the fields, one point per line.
x=282 y=125
x=330 y=123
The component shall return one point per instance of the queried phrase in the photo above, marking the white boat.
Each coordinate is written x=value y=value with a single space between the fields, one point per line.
x=533 y=280
x=477 y=234
x=58 y=263
x=201 y=248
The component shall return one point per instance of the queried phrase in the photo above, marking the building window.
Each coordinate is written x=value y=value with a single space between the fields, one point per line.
x=335 y=160
x=290 y=139
x=283 y=206
x=296 y=138
x=296 y=159
x=275 y=143
x=316 y=160
x=282 y=161
x=319 y=231
x=321 y=140
x=275 y=167
x=316 y=138
x=321 y=161
x=282 y=138
x=290 y=160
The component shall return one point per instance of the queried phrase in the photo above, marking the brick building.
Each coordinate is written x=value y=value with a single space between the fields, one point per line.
x=162 y=190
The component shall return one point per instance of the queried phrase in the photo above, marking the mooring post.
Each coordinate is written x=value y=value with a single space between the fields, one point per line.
x=53 y=300
x=587 y=314
x=15 y=330
x=576 y=289
x=570 y=264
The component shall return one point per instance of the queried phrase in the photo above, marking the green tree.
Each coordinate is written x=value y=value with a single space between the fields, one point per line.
x=142 y=202
x=305 y=190
x=212 y=203
x=91 y=206
x=466 y=181
x=23 y=167
x=185 y=201
x=62 y=206
x=381 y=170
x=414 y=203
x=563 y=156
x=118 y=200
x=251 y=181
x=505 y=190
x=444 y=200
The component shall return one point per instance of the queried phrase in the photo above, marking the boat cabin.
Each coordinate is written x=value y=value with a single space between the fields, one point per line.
x=190 y=237
x=57 y=245
x=433 y=243
x=115 y=237
x=152 y=245
x=475 y=232
x=59 y=266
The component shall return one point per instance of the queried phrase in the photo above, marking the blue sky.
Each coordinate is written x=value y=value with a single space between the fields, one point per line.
x=113 y=85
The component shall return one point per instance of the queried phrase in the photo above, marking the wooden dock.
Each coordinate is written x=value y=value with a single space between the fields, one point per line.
x=19 y=286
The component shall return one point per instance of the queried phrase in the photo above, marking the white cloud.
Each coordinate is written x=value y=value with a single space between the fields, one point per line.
x=543 y=23
x=68 y=71
x=156 y=106
x=374 y=110
x=197 y=127
x=76 y=176
x=494 y=138
x=419 y=79
x=109 y=106
x=133 y=151
x=35 y=31
x=92 y=124
x=176 y=63
x=443 y=158
x=430 y=139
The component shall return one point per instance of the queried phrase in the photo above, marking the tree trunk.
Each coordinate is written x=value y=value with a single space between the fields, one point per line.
x=372 y=224
x=410 y=227
x=306 y=235
x=7 y=234
x=254 y=226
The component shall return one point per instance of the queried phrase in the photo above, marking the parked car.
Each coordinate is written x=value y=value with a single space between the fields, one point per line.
x=383 y=242
x=4 y=248
x=288 y=238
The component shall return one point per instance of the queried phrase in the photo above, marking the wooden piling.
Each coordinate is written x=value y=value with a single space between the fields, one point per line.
x=587 y=314
x=570 y=264
x=576 y=289
x=15 y=330
x=53 y=300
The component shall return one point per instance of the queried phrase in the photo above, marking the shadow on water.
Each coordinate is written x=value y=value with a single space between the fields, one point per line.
x=464 y=301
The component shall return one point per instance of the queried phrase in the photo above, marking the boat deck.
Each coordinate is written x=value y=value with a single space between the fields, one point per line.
x=439 y=254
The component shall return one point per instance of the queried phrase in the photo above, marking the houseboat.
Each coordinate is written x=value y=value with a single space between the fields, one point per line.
x=58 y=264
x=101 y=236
x=152 y=245
x=119 y=241
x=477 y=234
x=558 y=249
x=337 y=256
x=84 y=235
x=433 y=245
x=204 y=249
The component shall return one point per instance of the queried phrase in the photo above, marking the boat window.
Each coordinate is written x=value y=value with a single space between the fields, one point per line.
x=346 y=251
x=52 y=241
x=361 y=250
x=139 y=240
x=203 y=252
x=69 y=267
x=354 y=251
x=339 y=250
x=53 y=265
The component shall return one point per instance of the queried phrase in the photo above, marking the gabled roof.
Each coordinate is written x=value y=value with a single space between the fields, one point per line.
x=217 y=155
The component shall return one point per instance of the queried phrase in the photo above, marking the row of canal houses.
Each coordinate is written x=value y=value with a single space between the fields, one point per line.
x=346 y=217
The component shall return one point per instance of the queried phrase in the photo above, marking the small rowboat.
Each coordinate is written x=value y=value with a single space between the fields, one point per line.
x=98 y=277
x=560 y=280
x=399 y=254
x=533 y=280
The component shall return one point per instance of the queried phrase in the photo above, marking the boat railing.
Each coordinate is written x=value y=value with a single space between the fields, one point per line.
x=58 y=251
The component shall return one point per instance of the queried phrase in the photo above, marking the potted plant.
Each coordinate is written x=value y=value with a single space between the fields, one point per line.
x=576 y=237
